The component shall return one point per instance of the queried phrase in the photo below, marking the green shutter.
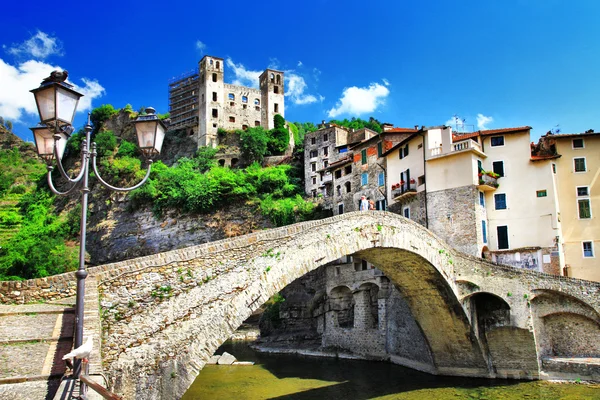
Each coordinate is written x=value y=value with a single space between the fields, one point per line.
x=363 y=155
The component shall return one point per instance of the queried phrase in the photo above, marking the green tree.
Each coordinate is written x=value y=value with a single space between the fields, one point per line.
x=101 y=114
x=9 y=125
x=106 y=142
x=253 y=144
x=278 y=121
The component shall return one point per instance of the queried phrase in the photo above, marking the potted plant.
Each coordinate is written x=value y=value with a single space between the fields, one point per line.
x=412 y=181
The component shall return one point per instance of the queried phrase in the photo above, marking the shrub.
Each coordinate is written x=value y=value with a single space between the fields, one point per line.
x=253 y=144
x=278 y=122
x=106 y=142
x=101 y=114
x=279 y=140
x=128 y=149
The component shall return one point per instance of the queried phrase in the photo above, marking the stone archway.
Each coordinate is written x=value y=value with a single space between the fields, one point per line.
x=168 y=313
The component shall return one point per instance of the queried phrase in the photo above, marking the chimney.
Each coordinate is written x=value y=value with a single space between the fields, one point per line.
x=416 y=127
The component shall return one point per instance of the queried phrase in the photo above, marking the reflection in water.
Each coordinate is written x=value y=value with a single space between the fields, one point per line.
x=305 y=378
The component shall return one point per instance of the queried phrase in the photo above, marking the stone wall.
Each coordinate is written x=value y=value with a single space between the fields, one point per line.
x=416 y=204
x=452 y=215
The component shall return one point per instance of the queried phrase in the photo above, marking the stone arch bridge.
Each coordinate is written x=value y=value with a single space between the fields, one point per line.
x=164 y=315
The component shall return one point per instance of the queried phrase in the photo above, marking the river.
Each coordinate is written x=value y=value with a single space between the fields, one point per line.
x=294 y=377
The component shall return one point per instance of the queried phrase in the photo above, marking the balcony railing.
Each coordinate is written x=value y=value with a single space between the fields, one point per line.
x=404 y=190
x=467 y=144
x=327 y=178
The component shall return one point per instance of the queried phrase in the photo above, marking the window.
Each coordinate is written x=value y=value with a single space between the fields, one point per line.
x=231 y=119
x=325 y=164
x=484 y=231
x=482 y=199
x=338 y=174
x=256 y=123
x=553 y=168
x=348 y=187
x=379 y=149
x=380 y=205
x=202 y=99
x=214 y=94
x=588 y=249
x=364 y=265
x=256 y=102
x=498 y=167
x=314 y=153
x=343 y=149
x=364 y=179
x=325 y=137
x=244 y=127
x=583 y=191
x=338 y=190
x=313 y=140
x=218 y=64
x=403 y=152
x=406 y=212
x=348 y=169
x=340 y=209
x=421 y=180
x=381 y=179
x=313 y=167
x=314 y=193
x=231 y=96
x=244 y=99
x=500 y=201
x=579 y=164
x=232 y=103
x=363 y=156
x=479 y=166
x=214 y=77
x=272 y=77
x=541 y=193
x=585 y=211
x=325 y=151
x=578 y=143
x=276 y=107
x=278 y=78
x=215 y=113
x=244 y=106
x=314 y=180
x=502 y=237
x=497 y=141
x=276 y=89
x=257 y=108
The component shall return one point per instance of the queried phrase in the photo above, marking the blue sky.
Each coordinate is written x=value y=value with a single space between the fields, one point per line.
x=493 y=63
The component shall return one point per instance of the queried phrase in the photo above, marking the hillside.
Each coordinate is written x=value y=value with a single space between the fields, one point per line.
x=189 y=199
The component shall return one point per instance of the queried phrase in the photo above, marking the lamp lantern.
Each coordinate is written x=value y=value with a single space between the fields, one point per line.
x=56 y=102
x=150 y=132
x=45 y=140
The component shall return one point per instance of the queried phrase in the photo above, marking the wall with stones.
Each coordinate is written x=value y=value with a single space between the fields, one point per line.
x=243 y=113
x=452 y=215
x=572 y=335
x=416 y=204
x=513 y=352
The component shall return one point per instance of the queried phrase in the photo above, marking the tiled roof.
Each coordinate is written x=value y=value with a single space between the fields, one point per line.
x=546 y=157
x=401 y=130
x=457 y=136
x=571 y=135
x=338 y=163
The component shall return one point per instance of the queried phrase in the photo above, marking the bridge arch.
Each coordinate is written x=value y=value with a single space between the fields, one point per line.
x=187 y=302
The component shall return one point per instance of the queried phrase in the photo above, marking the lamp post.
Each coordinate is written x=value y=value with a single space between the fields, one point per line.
x=56 y=102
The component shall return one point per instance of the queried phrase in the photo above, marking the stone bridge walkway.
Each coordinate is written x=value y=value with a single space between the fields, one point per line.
x=33 y=339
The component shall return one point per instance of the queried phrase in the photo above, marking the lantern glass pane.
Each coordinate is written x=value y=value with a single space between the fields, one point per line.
x=160 y=137
x=45 y=102
x=62 y=145
x=145 y=133
x=44 y=141
x=66 y=104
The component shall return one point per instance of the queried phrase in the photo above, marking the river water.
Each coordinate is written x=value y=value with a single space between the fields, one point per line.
x=295 y=377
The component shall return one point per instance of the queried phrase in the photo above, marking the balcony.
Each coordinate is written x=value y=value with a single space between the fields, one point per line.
x=463 y=145
x=404 y=190
x=487 y=182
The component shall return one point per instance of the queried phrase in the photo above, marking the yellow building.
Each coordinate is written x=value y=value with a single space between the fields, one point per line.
x=576 y=167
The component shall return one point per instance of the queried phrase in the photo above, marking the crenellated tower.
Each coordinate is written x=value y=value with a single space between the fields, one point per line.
x=272 y=96
x=211 y=100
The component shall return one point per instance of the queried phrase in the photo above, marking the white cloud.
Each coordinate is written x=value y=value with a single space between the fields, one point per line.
x=243 y=76
x=482 y=121
x=300 y=63
x=39 y=46
x=200 y=46
x=296 y=85
x=357 y=101
x=16 y=82
x=386 y=82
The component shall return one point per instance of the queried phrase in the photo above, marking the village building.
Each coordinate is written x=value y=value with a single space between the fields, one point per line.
x=201 y=102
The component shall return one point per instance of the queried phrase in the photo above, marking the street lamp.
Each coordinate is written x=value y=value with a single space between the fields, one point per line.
x=56 y=102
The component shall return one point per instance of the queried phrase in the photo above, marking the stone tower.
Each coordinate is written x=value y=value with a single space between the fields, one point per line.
x=211 y=100
x=272 y=96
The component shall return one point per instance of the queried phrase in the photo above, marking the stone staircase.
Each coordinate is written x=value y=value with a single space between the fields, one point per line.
x=33 y=339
